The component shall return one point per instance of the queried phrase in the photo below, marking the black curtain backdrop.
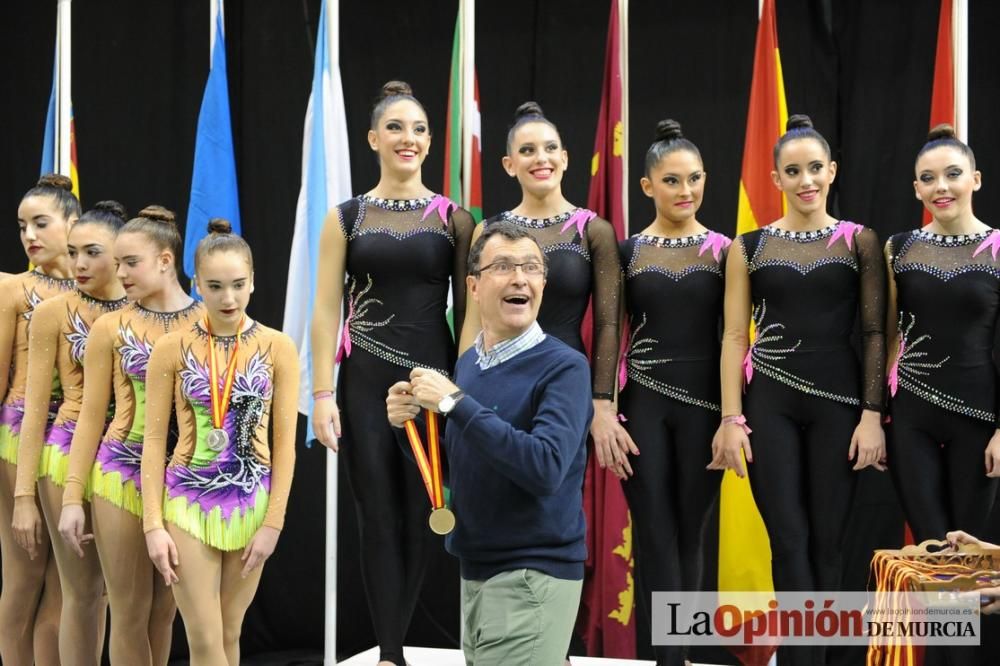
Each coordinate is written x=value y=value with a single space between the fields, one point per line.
x=861 y=69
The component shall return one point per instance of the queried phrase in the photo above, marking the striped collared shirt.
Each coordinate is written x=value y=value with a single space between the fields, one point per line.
x=507 y=349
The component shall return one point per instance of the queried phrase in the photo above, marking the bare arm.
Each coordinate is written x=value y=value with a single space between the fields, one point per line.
x=735 y=334
x=323 y=340
x=731 y=444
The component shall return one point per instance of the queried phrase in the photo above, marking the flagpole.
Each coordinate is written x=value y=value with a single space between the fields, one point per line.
x=468 y=13
x=960 y=44
x=63 y=74
x=332 y=19
x=623 y=63
x=214 y=9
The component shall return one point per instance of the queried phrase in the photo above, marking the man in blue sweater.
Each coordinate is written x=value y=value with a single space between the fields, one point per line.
x=518 y=414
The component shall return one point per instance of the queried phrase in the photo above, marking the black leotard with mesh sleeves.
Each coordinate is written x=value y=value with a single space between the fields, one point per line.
x=583 y=261
x=669 y=398
x=400 y=256
x=943 y=383
x=948 y=298
x=808 y=289
x=673 y=292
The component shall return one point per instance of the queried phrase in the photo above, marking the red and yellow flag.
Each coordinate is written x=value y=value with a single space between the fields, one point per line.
x=607 y=167
x=760 y=201
x=744 y=549
x=606 y=621
x=59 y=142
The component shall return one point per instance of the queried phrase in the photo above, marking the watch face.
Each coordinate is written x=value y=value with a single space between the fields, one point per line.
x=446 y=404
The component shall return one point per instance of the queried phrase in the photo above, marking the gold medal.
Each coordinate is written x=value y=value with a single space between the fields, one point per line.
x=441 y=520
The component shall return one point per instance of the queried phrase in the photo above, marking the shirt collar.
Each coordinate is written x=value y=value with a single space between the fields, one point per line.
x=507 y=349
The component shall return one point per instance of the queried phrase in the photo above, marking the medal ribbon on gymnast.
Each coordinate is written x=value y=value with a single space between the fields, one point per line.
x=218 y=438
x=442 y=520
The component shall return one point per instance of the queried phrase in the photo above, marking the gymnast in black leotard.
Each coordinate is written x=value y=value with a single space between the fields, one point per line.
x=582 y=253
x=944 y=300
x=806 y=278
x=670 y=373
x=398 y=246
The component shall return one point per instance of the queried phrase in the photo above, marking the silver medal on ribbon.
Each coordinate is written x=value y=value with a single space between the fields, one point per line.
x=217 y=439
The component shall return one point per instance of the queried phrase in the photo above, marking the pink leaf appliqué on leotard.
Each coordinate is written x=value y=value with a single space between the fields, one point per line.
x=748 y=367
x=345 y=337
x=715 y=242
x=847 y=231
x=894 y=370
x=992 y=242
x=579 y=218
x=442 y=205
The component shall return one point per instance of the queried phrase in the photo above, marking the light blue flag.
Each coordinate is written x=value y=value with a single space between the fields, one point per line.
x=213 y=181
x=49 y=142
x=326 y=181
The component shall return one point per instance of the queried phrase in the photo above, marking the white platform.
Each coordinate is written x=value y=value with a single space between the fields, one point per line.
x=417 y=656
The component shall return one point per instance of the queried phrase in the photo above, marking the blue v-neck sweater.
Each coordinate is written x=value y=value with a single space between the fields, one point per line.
x=517 y=451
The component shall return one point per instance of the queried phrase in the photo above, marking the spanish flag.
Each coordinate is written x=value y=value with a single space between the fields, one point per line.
x=59 y=144
x=606 y=620
x=744 y=550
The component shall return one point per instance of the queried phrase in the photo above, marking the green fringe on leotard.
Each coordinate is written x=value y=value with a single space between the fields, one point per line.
x=210 y=528
x=9 y=441
x=109 y=487
x=55 y=466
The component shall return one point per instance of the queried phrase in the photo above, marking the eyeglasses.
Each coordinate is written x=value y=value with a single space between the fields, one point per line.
x=530 y=268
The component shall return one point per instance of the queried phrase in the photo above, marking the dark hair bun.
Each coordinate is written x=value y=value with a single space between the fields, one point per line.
x=112 y=207
x=158 y=214
x=668 y=130
x=942 y=131
x=218 y=225
x=798 y=121
x=528 y=109
x=57 y=181
x=395 y=89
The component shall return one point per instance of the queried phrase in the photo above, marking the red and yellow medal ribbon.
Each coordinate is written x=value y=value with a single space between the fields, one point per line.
x=430 y=467
x=220 y=403
x=894 y=573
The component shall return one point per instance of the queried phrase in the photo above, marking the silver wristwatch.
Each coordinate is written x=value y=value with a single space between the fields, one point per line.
x=447 y=403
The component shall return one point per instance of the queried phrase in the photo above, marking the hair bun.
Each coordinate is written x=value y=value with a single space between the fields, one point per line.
x=57 y=181
x=528 y=109
x=668 y=130
x=942 y=131
x=111 y=206
x=158 y=214
x=395 y=89
x=219 y=225
x=798 y=121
